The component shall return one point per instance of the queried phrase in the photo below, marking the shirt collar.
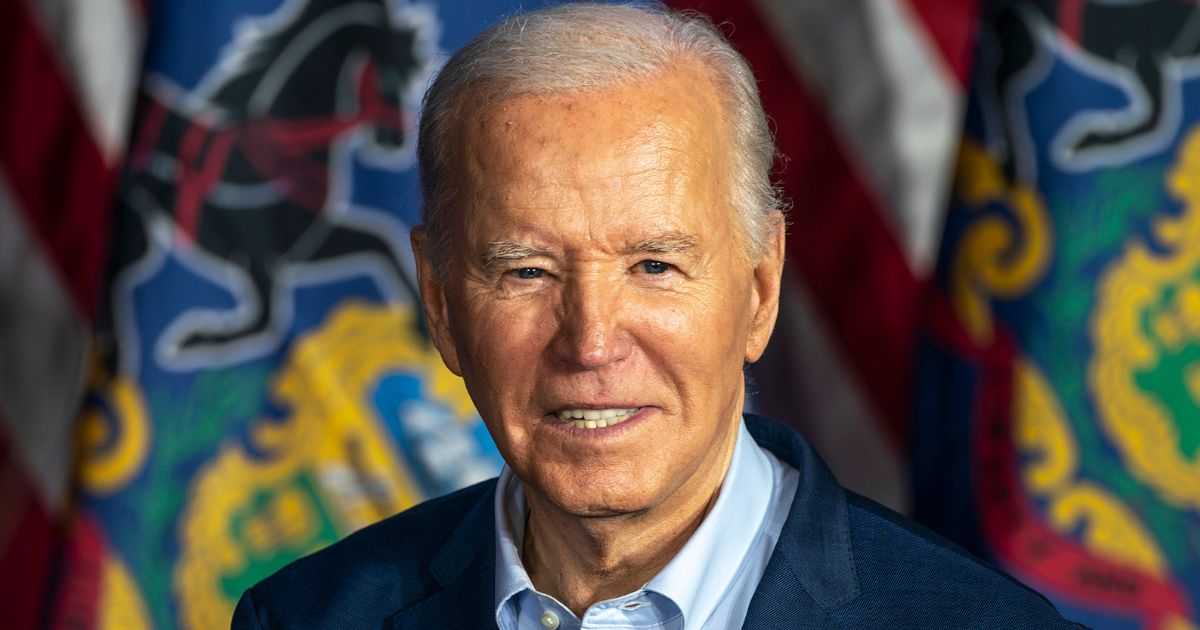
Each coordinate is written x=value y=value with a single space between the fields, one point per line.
x=511 y=577
x=697 y=578
x=703 y=570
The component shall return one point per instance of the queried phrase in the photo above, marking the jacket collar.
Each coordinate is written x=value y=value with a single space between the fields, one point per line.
x=465 y=568
x=814 y=554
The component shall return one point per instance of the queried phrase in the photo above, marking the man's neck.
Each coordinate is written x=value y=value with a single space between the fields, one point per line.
x=583 y=560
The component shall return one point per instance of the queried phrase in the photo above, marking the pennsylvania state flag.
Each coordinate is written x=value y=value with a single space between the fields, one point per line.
x=263 y=385
x=1060 y=375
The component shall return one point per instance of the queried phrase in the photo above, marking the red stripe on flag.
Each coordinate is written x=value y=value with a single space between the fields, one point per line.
x=952 y=26
x=56 y=172
x=28 y=540
x=81 y=581
x=841 y=244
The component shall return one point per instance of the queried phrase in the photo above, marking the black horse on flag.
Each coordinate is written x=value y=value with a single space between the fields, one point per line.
x=244 y=171
x=1140 y=39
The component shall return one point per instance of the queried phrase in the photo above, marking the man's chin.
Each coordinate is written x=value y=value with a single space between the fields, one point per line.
x=605 y=511
x=600 y=507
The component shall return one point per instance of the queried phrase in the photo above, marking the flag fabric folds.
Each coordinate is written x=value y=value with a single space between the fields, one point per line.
x=67 y=76
x=212 y=361
x=264 y=386
x=1058 y=411
x=228 y=243
x=866 y=100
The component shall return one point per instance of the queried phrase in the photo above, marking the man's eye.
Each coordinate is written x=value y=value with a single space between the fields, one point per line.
x=529 y=273
x=654 y=267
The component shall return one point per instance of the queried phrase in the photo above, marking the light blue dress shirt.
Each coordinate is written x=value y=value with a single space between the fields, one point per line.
x=706 y=586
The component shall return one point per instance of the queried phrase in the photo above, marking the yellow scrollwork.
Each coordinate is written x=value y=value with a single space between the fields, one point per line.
x=1148 y=313
x=121 y=605
x=1108 y=527
x=1003 y=258
x=1041 y=428
x=996 y=258
x=113 y=446
x=326 y=470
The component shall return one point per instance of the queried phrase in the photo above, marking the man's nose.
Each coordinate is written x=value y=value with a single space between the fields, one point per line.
x=591 y=333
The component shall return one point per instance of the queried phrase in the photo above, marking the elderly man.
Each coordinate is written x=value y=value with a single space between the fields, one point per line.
x=601 y=256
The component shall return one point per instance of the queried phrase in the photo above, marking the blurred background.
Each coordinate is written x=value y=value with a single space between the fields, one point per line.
x=211 y=364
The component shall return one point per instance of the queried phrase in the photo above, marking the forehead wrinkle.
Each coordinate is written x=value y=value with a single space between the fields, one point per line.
x=526 y=155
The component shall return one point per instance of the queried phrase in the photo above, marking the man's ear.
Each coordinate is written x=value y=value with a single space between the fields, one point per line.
x=768 y=274
x=433 y=301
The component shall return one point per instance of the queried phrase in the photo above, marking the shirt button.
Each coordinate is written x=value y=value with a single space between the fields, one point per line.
x=549 y=620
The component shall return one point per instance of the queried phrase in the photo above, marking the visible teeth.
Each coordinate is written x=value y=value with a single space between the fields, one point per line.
x=595 y=418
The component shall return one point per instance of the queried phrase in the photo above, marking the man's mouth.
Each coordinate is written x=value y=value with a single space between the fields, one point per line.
x=595 y=418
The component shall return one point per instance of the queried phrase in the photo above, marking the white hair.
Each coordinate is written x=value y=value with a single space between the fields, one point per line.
x=588 y=46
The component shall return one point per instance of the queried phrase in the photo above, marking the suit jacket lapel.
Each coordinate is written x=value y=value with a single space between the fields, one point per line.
x=465 y=567
x=812 y=569
x=464 y=603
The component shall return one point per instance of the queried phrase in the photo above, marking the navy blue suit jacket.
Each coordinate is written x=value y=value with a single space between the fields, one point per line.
x=842 y=561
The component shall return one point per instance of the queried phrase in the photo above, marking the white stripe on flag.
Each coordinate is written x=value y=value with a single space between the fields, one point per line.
x=927 y=104
x=895 y=103
x=43 y=353
x=100 y=47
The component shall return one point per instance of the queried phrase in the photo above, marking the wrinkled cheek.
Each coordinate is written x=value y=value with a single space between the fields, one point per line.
x=708 y=344
x=512 y=344
x=488 y=331
x=504 y=352
x=676 y=322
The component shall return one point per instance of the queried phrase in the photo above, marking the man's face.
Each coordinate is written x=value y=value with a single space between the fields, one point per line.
x=597 y=270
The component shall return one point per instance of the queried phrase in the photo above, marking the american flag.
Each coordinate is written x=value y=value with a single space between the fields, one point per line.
x=68 y=71
x=866 y=99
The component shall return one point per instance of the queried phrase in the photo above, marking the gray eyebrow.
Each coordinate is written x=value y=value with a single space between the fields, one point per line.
x=665 y=244
x=505 y=251
x=498 y=252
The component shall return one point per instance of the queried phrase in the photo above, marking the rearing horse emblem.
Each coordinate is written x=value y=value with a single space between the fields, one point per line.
x=248 y=172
